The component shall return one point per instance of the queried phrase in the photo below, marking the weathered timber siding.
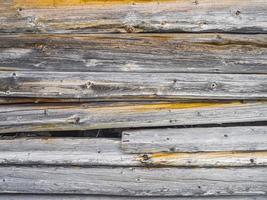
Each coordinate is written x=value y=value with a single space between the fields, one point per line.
x=134 y=181
x=197 y=53
x=242 y=16
x=47 y=117
x=246 y=138
x=204 y=60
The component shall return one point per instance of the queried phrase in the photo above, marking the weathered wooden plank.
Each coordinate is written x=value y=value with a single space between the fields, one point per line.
x=66 y=151
x=49 y=117
x=134 y=16
x=198 y=53
x=244 y=138
x=132 y=85
x=134 y=181
x=93 y=197
x=107 y=152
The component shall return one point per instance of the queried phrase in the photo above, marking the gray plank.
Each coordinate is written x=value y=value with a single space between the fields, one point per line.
x=55 y=117
x=134 y=181
x=107 y=152
x=92 y=197
x=65 y=151
x=196 y=53
x=246 y=138
x=134 y=16
x=131 y=85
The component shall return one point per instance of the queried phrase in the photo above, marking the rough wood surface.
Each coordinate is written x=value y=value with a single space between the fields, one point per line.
x=65 y=151
x=198 y=53
x=49 y=117
x=107 y=152
x=244 y=138
x=134 y=181
x=92 y=197
x=132 y=85
x=90 y=16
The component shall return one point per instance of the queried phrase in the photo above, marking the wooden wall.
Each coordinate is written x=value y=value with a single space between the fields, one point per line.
x=133 y=99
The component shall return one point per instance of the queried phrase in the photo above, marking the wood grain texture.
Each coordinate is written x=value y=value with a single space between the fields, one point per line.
x=244 y=138
x=53 y=117
x=242 y=16
x=125 y=86
x=134 y=181
x=65 y=151
x=92 y=197
x=195 y=53
x=107 y=152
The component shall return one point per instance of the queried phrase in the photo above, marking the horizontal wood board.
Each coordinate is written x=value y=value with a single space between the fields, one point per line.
x=134 y=181
x=59 y=117
x=236 y=16
x=143 y=53
x=246 y=138
x=107 y=152
x=104 y=85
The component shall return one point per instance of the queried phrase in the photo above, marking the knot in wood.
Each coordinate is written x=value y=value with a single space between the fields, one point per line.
x=196 y=2
x=172 y=149
x=129 y=29
x=74 y=120
x=14 y=76
x=89 y=84
x=237 y=13
x=145 y=157
x=77 y=120
x=213 y=86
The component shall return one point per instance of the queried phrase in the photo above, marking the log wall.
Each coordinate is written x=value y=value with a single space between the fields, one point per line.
x=133 y=99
